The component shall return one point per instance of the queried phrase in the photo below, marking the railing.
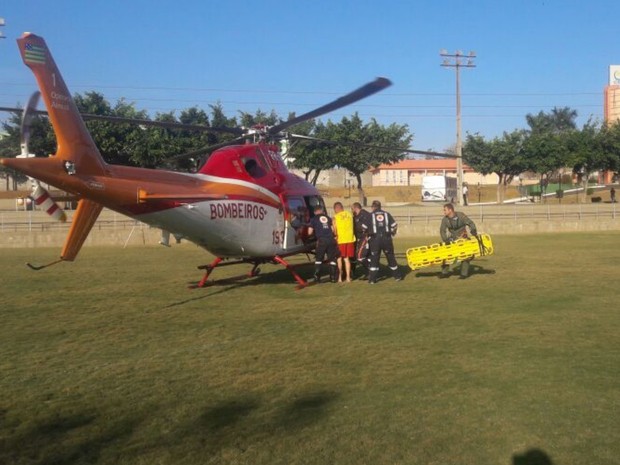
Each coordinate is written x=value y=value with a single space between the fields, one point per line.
x=37 y=221
x=510 y=213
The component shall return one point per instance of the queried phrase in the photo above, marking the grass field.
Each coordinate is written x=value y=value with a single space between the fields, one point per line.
x=112 y=360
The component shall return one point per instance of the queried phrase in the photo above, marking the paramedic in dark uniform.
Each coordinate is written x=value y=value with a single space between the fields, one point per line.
x=454 y=226
x=380 y=229
x=360 y=217
x=322 y=227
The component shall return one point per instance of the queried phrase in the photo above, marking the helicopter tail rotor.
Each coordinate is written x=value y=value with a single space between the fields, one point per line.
x=26 y=121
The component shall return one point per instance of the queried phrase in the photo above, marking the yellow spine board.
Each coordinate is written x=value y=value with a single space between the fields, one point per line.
x=438 y=254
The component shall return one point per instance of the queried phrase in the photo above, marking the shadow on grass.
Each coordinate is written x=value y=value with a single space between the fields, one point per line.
x=236 y=425
x=236 y=282
x=302 y=411
x=279 y=276
x=307 y=409
x=227 y=414
x=532 y=457
x=473 y=271
x=385 y=274
x=63 y=440
x=232 y=426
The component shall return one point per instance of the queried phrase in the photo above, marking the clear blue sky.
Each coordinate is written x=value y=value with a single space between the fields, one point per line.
x=532 y=55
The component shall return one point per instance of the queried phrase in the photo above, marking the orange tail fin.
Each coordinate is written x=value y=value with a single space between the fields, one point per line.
x=74 y=141
x=83 y=220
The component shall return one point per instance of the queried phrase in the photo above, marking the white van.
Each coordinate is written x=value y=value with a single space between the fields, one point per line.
x=438 y=189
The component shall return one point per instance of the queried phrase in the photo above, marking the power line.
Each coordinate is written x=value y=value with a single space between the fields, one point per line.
x=291 y=92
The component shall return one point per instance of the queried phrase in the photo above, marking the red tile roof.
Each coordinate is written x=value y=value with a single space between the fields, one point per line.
x=448 y=164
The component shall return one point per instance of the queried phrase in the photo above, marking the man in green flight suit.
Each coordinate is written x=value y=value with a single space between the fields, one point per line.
x=454 y=226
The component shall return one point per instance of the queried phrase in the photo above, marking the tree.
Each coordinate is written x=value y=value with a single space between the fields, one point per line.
x=118 y=143
x=559 y=120
x=546 y=148
x=347 y=144
x=590 y=152
x=545 y=153
x=356 y=152
x=502 y=156
x=259 y=118
x=191 y=141
x=312 y=157
x=219 y=119
x=610 y=139
x=160 y=143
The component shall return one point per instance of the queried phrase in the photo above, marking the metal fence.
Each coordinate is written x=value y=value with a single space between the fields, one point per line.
x=38 y=221
x=510 y=213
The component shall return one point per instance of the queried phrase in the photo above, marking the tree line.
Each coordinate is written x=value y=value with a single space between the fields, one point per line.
x=551 y=142
x=156 y=147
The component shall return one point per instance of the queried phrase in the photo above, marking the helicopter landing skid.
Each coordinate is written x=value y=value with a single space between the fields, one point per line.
x=252 y=273
x=209 y=268
x=301 y=281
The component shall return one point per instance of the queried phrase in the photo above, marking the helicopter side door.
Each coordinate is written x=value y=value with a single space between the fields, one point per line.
x=296 y=221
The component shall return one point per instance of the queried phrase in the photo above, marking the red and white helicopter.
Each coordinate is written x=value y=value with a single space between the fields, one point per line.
x=242 y=205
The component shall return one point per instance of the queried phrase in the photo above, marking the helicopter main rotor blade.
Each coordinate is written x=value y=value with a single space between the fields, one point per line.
x=352 y=97
x=141 y=122
x=163 y=124
x=14 y=109
x=372 y=146
x=205 y=150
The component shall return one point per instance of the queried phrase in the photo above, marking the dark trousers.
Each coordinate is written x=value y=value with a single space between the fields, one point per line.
x=329 y=247
x=378 y=244
x=361 y=254
x=464 y=272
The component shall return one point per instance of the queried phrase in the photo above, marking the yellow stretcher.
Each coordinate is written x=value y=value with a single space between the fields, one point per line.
x=438 y=254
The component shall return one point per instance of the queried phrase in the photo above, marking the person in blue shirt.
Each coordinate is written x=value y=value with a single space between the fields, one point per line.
x=380 y=227
x=323 y=228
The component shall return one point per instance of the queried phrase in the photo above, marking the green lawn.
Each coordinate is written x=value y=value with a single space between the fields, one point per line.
x=113 y=360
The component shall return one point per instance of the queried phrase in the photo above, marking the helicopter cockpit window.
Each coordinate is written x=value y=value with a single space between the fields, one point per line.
x=253 y=168
x=312 y=202
x=298 y=212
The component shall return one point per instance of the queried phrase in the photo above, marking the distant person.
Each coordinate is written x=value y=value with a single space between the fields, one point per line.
x=343 y=225
x=465 y=195
x=380 y=229
x=612 y=194
x=454 y=226
x=322 y=227
x=298 y=221
x=360 y=217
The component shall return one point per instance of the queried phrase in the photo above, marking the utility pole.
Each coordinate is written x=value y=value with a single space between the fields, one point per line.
x=2 y=36
x=457 y=61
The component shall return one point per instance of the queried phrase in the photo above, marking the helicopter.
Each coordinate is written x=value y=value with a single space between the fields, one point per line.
x=242 y=205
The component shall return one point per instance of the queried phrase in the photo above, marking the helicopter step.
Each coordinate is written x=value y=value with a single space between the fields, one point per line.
x=440 y=254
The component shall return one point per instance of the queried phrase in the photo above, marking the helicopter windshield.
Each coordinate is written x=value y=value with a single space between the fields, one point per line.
x=313 y=201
